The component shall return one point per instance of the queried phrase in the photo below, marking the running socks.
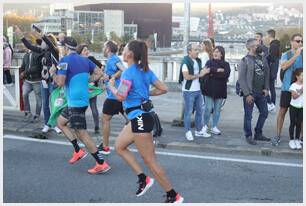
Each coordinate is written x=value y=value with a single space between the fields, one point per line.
x=171 y=193
x=141 y=177
x=75 y=145
x=98 y=157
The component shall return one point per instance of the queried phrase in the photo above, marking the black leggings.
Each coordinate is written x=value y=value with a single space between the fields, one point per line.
x=296 y=119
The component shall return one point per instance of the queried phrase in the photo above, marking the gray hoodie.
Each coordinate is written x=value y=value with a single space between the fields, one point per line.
x=246 y=74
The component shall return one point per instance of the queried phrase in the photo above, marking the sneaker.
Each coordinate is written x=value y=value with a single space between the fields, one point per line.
x=250 y=140
x=292 y=144
x=275 y=141
x=104 y=149
x=177 y=199
x=261 y=137
x=77 y=156
x=201 y=134
x=57 y=130
x=215 y=130
x=144 y=186
x=189 y=136
x=204 y=129
x=298 y=144
x=27 y=116
x=35 y=119
x=45 y=129
x=99 y=168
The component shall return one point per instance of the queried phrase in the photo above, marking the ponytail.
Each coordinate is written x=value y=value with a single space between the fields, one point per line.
x=144 y=56
x=140 y=52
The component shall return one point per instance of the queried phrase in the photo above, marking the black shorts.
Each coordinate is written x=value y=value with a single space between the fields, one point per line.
x=65 y=113
x=144 y=123
x=112 y=107
x=285 y=99
x=75 y=116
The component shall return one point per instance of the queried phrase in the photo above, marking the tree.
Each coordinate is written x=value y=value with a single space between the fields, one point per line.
x=115 y=37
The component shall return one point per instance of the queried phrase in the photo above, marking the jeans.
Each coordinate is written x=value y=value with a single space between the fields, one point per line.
x=94 y=110
x=45 y=93
x=193 y=99
x=271 y=99
x=261 y=102
x=27 y=88
x=214 y=104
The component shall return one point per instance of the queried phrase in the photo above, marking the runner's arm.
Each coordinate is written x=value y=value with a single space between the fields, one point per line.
x=96 y=75
x=160 y=88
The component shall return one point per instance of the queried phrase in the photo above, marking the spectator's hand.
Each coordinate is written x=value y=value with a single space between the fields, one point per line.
x=249 y=99
x=298 y=51
x=220 y=70
x=265 y=92
x=52 y=70
x=18 y=31
x=204 y=71
x=22 y=75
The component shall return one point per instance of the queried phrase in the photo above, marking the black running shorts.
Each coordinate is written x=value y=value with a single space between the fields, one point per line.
x=65 y=113
x=144 y=123
x=112 y=107
x=77 y=117
x=285 y=99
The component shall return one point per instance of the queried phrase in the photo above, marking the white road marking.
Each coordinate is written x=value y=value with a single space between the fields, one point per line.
x=168 y=153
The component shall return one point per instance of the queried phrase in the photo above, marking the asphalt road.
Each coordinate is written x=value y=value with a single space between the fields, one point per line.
x=37 y=171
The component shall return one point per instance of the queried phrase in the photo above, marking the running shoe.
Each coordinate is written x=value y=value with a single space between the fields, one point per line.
x=99 y=168
x=144 y=186
x=177 y=199
x=77 y=156
x=104 y=149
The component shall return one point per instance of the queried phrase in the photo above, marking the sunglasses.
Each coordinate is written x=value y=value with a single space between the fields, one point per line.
x=299 y=41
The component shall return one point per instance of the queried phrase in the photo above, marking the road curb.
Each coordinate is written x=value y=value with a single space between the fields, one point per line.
x=271 y=152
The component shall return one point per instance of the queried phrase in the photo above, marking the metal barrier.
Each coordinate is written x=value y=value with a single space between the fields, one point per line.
x=14 y=99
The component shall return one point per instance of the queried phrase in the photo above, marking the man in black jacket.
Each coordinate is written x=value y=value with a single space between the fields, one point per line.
x=273 y=61
x=31 y=73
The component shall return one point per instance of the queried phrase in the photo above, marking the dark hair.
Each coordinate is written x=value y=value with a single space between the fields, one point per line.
x=296 y=73
x=112 y=46
x=221 y=50
x=295 y=35
x=140 y=51
x=121 y=48
x=260 y=34
x=271 y=33
x=80 y=48
x=38 y=41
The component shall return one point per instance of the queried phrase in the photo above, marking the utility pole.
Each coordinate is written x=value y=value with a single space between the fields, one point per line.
x=187 y=25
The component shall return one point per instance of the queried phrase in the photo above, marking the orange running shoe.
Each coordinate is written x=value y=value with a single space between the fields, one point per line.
x=77 y=156
x=99 y=168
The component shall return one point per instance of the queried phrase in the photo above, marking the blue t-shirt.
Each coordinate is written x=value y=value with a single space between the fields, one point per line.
x=110 y=70
x=76 y=69
x=298 y=63
x=140 y=88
